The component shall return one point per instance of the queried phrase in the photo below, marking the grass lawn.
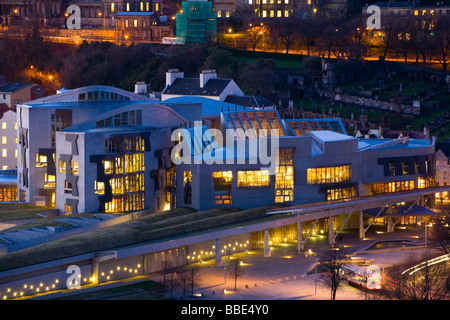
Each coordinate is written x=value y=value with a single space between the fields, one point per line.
x=279 y=63
x=145 y=290
x=19 y=211
x=155 y=227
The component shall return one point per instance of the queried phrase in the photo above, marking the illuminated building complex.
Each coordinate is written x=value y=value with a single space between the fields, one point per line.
x=102 y=149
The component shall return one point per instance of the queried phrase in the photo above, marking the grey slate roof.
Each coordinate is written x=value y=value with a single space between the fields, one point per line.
x=191 y=86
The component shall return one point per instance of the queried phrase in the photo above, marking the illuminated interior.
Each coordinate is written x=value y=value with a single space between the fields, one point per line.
x=300 y=127
x=222 y=187
x=253 y=178
x=253 y=124
x=284 y=176
x=335 y=174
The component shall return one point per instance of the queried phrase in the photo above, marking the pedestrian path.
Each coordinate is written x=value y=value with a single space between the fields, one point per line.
x=284 y=274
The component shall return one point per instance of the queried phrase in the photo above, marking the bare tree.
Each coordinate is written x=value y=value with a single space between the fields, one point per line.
x=441 y=41
x=182 y=280
x=255 y=35
x=440 y=232
x=236 y=270
x=288 y=33
x=193 y=277
x=332 y=261
x=416 y=280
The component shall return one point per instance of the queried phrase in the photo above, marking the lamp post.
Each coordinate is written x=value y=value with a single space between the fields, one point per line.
x=100 y=14
x=225 y=265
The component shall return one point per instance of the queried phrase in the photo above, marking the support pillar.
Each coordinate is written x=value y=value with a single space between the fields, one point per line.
x=330 y=231
x=390 y=225
x=266 y=244
x=218 y=254
x=362 y=232
x=94 y=271
x=300 y=243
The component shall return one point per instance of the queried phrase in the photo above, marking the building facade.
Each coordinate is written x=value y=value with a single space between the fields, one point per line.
x=196 y=22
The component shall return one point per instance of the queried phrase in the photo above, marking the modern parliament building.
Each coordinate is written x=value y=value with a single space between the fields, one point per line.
x=102 y=149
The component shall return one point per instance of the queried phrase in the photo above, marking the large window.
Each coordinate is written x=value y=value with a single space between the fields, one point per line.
x=341 y=193
x=253 y=178
x=222 y=187
x=284 y=176
x=329 y=174
x=394 y=186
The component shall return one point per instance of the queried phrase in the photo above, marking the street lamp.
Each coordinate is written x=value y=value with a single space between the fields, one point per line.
x=100 y=15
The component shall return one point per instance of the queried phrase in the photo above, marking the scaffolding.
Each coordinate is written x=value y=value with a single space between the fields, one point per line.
x=197 y=22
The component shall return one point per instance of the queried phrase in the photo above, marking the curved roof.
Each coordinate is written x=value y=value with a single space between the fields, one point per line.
x=209 y=106
x=75 y=95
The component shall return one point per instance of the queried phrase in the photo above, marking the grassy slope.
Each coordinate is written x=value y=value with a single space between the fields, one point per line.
x=155 y=227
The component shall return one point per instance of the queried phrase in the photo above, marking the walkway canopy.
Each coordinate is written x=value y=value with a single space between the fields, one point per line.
x=403 y=211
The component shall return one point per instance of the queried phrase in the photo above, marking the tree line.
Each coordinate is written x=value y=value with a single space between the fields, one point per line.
x=423 y=39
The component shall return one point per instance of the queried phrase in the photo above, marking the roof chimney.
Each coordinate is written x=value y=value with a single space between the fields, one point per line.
x=206 y=75
x=172 y=75
x=2 y=80
x=140 y=87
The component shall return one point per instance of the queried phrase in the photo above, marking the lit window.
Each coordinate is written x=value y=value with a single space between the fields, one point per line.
x=3 y=125
x=99 y=187
x=74 y=166
x=329 y=174
x=264 y=13
x=142 y=6
x=4 y=153
x=61 y=166
x=4 y=167
x=3 y=140
x=222 y=187
x=255 y=178
x=219 y=14
x=286 y=1
x=250 y=1
x=67 y=210
x=272 y=13
x=41 y=160
x=15 y=125
x=15 y=153
x=49 y=180
x=341 y=193
x=108 y=166
x=278 y=13
x=128 y=7
x=156 y=6
x=227 y=14
x=284 y=176
x=286 y=13
x=112 y=7
x=135 y=23
x=147 y=6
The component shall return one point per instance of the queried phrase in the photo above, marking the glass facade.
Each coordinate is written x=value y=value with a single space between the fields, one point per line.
x=253 y=178
x=222 y=187
x=324 y=175
x=284 y=176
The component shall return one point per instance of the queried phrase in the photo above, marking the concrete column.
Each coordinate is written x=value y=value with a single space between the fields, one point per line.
x=94 y=271
x=390 y=225
x=266 y=244
x=300 y=243
x=218 y=254
x=362 y=233
x=330 y=231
